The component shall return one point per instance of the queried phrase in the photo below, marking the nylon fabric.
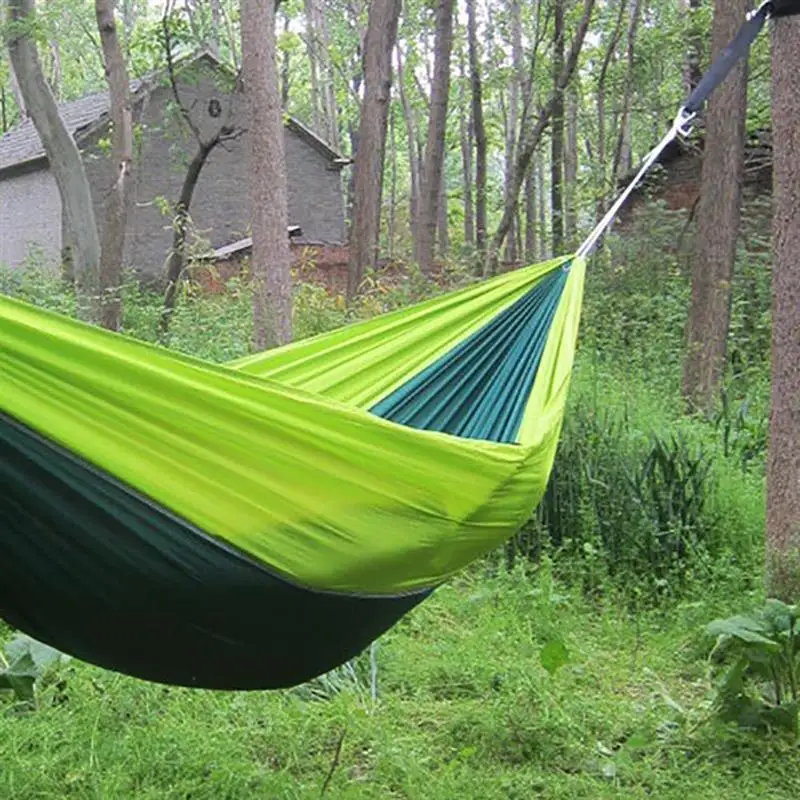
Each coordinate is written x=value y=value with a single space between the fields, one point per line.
x=480 y=388
x=323 y=493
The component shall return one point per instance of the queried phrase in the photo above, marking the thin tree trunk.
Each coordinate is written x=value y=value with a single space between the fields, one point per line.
x=312 y=50
x=530 y=215
x=600 y=164
x=531 y=134
x=480 y=131
x=272 y=289
x=434 y=149
x=177 y=256
x=543 y=238
x=693 y=70
x=393 y=183
x=64 y=157
x=286 y=73
x=216 y=26
x=718 y=217
x=466 y=127
x=443 y=222
x=571 y=169
x=783 y=468
x=15 y=90
x=318 y=34
x=557 y=133
x=622 y=150
x=411 y=133
x=368 y=173
x=512 y=118
x=117 y=202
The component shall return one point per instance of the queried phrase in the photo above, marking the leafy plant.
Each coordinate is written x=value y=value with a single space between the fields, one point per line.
x=24 y=663
x=758 y=660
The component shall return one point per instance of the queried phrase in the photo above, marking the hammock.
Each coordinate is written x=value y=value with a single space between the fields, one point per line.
x=256 y=524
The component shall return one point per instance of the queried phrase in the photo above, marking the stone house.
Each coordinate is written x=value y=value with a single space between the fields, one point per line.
x=30 y=206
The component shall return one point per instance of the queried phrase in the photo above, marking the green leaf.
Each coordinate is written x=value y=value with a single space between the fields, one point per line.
x=42 y=655
x=20 y=677
x=744 y=629
x=554 y=655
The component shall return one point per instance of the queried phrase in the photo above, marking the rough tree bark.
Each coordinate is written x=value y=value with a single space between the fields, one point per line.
x=434 y=147
x=63 y=155
x=557 y=133
x=479 y=129
x=117 y=201
x=718 y=217
x=783 y=470
x=531 y=134
x=270 y=262
x=379 y=42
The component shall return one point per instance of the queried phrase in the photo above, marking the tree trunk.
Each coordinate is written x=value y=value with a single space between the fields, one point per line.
x=466 y=128
x=434 y=149
x=411 y=133
x=65 y=160
x=557 y=132
x=693 y=70
x=540 y=171
x=216 y=26
x=382 y=25
x=717 y=221
x=322 y=74
x=17 y=92
x=442 y=221
x=512 y=119
x=531 y=134
x=270 y=262
x=530 y=216
x=480 y=131
x=783 y=471
x=571 y=170
x=177 y=256
x=622 y=150
x=117 y=201
x=312 y=49
x=286 y=65
x=600 y=168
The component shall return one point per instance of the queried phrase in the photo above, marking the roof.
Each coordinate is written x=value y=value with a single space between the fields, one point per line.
x=21 y=144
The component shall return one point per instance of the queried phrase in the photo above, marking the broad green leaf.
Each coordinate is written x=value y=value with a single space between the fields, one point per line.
x=20 y=677
x=554 y=655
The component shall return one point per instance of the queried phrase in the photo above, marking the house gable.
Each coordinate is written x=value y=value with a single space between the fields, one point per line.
x=30 y=210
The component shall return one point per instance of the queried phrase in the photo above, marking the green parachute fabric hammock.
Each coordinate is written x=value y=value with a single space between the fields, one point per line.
x=256 y=524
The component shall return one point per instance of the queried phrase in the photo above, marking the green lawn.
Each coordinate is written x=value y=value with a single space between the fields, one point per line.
x=464 y=710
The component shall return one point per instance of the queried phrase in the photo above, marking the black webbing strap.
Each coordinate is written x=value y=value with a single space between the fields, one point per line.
x=784 y=8
x=736 y=50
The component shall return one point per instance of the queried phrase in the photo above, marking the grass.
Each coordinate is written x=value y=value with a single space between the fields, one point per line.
x=464 y=710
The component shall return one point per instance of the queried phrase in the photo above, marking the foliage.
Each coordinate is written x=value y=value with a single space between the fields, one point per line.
x=24 y=665
x=757 y=657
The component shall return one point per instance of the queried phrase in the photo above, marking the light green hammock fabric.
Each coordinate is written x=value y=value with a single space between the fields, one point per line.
x=279 y=454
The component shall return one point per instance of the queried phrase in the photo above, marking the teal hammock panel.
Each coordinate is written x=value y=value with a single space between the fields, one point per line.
x=479 y=389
